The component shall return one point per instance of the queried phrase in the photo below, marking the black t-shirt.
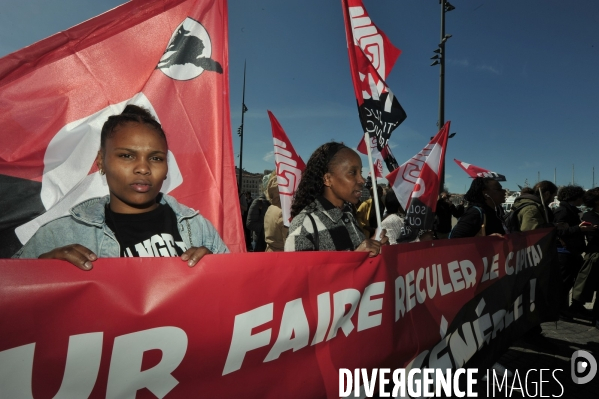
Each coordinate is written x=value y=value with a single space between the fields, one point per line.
x=148 y=234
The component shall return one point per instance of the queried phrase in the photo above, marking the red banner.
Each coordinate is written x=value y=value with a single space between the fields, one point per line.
x=263 y=325
x=169 y=56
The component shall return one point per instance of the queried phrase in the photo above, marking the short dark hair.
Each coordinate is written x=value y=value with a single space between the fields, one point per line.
x=131 y=114
x=570 y=193
x=546 y=187
x=527 y=190
x=591 y=197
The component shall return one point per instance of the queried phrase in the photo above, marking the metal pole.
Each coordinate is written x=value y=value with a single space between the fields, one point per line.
x=374 y=187
x=241 y=132
x=441 y=121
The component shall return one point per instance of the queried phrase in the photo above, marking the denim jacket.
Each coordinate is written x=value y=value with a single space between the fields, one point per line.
x=86 y=226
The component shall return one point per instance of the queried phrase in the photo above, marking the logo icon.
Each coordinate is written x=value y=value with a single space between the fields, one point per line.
x=188 y=52
x=583 y=367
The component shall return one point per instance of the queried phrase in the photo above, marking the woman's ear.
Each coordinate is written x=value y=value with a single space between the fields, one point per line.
x=326 y=179
x=100 y=162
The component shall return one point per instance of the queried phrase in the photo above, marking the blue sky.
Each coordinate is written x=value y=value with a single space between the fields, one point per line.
x=522 y=88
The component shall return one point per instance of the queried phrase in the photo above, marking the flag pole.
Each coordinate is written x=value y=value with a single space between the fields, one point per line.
x=375 y=193
x=241 y=132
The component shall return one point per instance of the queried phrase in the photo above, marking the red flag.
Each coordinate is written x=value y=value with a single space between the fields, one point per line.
x=476 y=171
x=416 y=183
x=169 y=56
x=371 y=58
x=290 y=167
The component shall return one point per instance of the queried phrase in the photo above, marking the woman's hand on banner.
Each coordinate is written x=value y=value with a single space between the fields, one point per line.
x=75 y=254
x=194 y=254
x=370 y=245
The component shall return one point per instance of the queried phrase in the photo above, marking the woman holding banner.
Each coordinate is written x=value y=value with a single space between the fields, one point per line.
x=484 y=214
x=135 y=219
x=323 y=219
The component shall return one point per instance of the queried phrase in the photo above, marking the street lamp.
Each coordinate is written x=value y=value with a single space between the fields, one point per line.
x=439 y=58
x=244 y=109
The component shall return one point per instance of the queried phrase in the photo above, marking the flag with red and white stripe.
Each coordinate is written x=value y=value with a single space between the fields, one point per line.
x=169 y=56
x=371 y=58
x=416 y=184
x=476 y=171
x=290 y=167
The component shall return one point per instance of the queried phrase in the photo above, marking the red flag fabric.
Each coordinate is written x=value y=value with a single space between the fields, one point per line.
x=371 y=58
x=290 y=167
x=276 y=325
x=416 y=183
x=476 y=171
x=169 y=56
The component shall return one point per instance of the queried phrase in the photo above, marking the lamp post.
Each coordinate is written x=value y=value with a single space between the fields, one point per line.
x=439 y=58
x=240 y=131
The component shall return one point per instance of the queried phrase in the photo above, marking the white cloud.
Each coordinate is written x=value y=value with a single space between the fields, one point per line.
x=488 y=68
x=269 y=156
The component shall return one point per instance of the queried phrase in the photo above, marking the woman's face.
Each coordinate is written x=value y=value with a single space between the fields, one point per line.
x=495 y=193
x=134 y=160
x=344 y=181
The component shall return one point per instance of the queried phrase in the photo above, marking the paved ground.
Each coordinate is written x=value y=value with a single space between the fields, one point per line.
x=554 y=352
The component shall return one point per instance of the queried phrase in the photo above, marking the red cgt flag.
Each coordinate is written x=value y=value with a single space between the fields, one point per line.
x=169 y=56
x=476 y=171
x=416 y=184
x=290 y=167
x=371 y=58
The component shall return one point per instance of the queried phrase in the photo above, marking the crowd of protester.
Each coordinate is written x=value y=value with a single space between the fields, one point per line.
x=327 y=214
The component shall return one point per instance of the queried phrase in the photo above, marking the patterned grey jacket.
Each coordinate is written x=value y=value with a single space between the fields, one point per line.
x=338 y=229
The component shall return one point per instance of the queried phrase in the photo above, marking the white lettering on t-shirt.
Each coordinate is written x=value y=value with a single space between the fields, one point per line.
x=159 y=245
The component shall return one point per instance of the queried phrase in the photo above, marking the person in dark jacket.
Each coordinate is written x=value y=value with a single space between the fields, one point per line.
x=445 y=210
x=484 y=216
x=571 y=244
x=587 y=279
x=533 y=211
x=255 y=221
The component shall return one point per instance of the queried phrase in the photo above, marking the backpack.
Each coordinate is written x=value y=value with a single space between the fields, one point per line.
x=482 y=224
x=510 y=219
